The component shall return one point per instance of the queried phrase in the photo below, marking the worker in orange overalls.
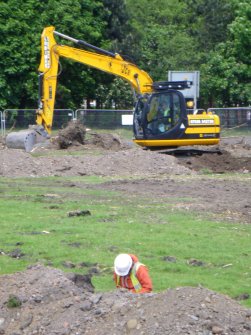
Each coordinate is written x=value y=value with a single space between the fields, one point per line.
x=129 y=273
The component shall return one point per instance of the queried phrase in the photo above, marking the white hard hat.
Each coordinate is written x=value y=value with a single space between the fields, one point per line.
x=122 y=264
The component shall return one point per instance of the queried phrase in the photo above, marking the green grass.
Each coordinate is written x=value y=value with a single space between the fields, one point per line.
x=33 y=218
x=123 y=132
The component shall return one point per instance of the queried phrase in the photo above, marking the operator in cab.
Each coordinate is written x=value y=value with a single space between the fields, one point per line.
x=164 y=117
x=159 y=117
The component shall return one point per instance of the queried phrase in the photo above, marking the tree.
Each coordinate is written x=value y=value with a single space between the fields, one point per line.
x=20 y=48
x=208 y=21
x=161 y=41
x=227 y=71
x=158 y=35
x=240 y=30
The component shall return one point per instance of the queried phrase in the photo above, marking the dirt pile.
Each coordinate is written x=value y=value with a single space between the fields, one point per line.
x=221 y=162
x=107 y=141
x=109 y=155
x=49 y=302
x=73 y=134
x=126 y=162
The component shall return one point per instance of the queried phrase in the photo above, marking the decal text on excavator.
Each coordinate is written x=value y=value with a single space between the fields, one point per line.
x=201 y=121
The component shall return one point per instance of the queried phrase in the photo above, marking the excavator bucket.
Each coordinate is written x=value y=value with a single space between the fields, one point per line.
x=26 y=139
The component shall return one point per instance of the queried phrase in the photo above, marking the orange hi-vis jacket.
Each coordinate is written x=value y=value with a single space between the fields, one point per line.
x=137 y=280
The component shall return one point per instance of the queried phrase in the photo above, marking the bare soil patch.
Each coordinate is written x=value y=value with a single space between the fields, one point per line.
x=50 y=302
x=149 y=172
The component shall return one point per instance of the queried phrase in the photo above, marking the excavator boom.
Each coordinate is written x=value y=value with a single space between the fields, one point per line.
x=51 y=52
x=104 y=61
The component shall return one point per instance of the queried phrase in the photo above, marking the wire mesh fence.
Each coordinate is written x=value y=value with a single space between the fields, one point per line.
x=239 y=117
x=102 y=118
x=18 y=119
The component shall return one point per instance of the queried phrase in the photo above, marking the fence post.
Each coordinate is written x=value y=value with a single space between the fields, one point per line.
x=2 y=124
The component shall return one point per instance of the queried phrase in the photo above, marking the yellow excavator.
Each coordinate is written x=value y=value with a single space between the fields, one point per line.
x=160 y=117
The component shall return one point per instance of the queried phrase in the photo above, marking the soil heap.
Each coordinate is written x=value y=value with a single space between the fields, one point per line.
x=43 y=300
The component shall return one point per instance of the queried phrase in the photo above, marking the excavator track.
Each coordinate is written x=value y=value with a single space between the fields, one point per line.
x=189 y=151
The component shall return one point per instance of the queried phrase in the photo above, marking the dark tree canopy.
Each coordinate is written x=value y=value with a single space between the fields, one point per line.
x=159 y=35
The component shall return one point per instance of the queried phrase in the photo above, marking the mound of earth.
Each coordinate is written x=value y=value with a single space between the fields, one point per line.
x=108 y=155
x=219 y=162
x=124 y=162
x=107 y=141
x=43 y=300
x=75 y=133
x=70 y=135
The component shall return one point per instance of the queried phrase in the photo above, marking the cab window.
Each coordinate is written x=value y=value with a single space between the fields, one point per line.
x=159 y=116
x=176 y=108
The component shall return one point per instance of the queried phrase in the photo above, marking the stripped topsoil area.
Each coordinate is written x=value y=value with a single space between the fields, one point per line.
x=185 y=174
x=43 y=300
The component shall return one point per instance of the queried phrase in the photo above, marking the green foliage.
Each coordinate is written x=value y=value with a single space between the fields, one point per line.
x=13 y=302
x=119 y=95
x=208 y=21
x=227 y=72
x=210 y=36
x=240 y=30
x=116 y=16
x=225 y=79
x=160 y=35
x=20 y=48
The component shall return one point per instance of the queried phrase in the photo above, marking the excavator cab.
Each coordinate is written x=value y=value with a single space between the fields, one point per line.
x=158 y=114
x=161 y=120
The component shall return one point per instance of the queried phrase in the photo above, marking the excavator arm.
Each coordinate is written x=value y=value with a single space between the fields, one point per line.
x=101 y=59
